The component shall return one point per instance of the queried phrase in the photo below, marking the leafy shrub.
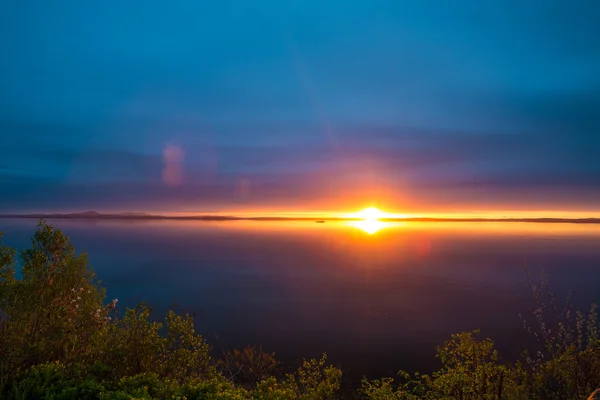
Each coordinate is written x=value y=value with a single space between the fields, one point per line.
x=313 y=380
x=470 y=370
x=54 y=381
x=134 y=345
x=248 y=366
x=53 y=310
x=566 y=361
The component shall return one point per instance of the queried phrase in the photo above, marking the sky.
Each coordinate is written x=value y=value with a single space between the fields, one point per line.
x=234 y=106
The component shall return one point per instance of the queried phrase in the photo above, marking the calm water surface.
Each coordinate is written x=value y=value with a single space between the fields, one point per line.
x=375 y=303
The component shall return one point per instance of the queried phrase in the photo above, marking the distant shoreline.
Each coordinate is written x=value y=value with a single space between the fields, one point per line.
x=136 y=216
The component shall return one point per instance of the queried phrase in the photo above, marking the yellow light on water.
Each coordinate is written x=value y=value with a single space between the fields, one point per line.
x=369 y=226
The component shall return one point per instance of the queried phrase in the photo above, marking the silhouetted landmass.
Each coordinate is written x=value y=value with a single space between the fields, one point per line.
x=133 y=214
x=143 y=216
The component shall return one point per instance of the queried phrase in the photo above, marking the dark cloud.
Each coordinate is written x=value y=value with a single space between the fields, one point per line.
x=461 y=168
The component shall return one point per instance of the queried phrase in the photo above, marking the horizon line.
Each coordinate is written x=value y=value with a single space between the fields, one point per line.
x=266 y=217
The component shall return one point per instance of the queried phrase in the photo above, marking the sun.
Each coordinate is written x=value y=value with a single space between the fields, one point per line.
x=371 y=214
x=369 y=220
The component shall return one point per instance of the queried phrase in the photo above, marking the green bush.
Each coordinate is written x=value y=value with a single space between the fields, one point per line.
x=470 y=370
x=53 y=310
x=134 y=345
x=54 y=381
x=248 y=366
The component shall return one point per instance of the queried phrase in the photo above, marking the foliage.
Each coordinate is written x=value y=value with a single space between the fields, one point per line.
x=566 y=361
x=557 y=328
x=248 y=366
x=312 y=381
x=54 y=309
x=470 y=370
x=383 y=389
x=315 y=379
x=53 y=380
x=59 y=340
x=134 y=345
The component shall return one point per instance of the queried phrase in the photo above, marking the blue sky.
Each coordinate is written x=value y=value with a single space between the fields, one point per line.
x=299 y=105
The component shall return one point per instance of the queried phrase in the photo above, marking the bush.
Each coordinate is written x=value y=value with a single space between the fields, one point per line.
x=565 y=364
x=470 y=370
x=53 y=310
x=54 y=381
x=248 y=366
x=134 y=345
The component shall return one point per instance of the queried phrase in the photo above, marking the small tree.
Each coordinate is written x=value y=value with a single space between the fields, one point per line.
x=51 y=312
x=470 y=368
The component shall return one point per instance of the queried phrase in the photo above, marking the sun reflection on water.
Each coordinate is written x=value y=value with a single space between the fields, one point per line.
x=369 y=226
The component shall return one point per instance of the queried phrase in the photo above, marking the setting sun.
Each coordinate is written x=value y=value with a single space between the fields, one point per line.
x=369 y=220
x=371 y=213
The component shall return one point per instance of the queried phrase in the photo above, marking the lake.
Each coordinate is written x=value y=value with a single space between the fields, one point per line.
x=375 y=300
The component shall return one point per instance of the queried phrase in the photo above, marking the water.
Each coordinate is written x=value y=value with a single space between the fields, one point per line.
x=375 y=302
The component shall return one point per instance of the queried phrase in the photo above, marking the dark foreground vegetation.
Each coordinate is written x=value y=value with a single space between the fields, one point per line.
x=59 y=339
